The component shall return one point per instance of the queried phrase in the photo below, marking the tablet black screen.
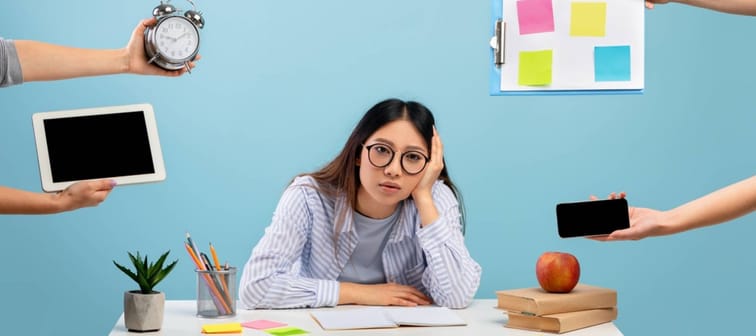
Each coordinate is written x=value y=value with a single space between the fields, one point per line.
x=98 y=146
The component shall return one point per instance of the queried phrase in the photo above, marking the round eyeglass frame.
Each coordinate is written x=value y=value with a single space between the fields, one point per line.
x=393 y=154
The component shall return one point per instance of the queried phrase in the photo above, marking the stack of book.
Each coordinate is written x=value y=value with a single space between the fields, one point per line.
x=536 y=309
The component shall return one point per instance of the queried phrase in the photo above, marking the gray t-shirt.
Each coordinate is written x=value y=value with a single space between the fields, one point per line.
x=365 y=266
x=10 y=67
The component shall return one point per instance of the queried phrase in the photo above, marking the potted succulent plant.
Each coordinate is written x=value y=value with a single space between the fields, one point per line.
x=143 y=308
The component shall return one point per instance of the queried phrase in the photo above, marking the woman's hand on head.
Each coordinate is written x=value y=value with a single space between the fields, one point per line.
x=387 y=294
x=433 y=169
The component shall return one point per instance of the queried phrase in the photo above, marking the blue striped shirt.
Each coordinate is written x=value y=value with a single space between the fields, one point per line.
x=295 y=264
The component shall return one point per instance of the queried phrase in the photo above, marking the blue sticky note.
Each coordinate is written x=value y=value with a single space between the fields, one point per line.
x=611 y=64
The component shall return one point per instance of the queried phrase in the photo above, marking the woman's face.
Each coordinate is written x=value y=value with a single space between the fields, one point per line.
x=382 y=189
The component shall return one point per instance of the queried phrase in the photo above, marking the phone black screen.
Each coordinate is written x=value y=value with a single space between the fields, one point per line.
x=592 y=218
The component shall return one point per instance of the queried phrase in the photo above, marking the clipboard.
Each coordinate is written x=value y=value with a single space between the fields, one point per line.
x=623 y=42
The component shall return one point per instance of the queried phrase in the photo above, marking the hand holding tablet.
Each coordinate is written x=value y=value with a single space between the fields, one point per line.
x=116 y=142
x=83 y=194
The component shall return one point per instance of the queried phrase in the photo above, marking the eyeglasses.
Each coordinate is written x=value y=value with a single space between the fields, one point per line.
x=381 y=155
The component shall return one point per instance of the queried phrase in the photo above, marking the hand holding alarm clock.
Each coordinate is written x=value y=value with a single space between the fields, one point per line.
x=174 y=40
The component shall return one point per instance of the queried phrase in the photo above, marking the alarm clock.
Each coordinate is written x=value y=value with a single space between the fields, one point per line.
x=174 y=40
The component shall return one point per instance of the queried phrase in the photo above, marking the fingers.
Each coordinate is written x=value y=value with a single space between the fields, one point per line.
x=615 y=195
x=418 y=296
x=409 y=299
x=97 y=192
x=149 y=22
x=611 y=196
x=408 y=296
x=437 y=154
x=142 y=26
x=179 y=72
x=103 y=185
x=99 y=196
x=623 y=234
x=626 y=234
x=599 y=238
x=406 y=302
x=438 y=146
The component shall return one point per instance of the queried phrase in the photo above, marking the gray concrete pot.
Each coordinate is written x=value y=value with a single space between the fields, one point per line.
x=143 y=312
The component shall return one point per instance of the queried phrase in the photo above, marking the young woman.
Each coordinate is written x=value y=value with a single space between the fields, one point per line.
x=378 y=225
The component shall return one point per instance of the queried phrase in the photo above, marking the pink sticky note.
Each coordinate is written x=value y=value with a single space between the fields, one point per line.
x=535 y=16
x=262 y=324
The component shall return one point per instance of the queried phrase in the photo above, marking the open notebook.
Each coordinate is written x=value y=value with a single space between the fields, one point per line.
x=386 y=317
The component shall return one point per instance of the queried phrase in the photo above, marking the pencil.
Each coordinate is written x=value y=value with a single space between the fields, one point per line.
x=192 y=244
x=218 y=267
x=194 y=257
x=215 y=258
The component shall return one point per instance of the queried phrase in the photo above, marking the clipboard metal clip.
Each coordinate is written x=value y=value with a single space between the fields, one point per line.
x=497 y=42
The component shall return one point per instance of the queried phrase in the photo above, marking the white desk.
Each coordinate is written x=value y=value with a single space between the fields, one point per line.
x=482 y=319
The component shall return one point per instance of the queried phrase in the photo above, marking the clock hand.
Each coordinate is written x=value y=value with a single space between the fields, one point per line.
x=169 y=37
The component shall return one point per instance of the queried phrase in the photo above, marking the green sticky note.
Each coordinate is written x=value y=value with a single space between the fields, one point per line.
x=285 y=331
x=535 y=68
x=588 y=19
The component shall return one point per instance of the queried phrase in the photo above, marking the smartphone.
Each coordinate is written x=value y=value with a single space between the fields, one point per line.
x=592 y=218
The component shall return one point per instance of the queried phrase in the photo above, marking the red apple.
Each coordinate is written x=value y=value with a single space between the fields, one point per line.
x=557 y=272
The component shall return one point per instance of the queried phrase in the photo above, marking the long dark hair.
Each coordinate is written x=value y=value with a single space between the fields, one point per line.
x=341 y=175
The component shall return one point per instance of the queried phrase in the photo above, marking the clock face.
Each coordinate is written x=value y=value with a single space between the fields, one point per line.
x=176 y=38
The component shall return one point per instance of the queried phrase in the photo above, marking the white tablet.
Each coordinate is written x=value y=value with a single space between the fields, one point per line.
x=114 y=142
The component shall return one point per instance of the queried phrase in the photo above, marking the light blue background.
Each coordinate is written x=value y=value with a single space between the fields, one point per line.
x=282 y=83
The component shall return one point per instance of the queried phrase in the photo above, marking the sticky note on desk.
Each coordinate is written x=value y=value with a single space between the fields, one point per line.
x=222 y=328
x=285 y=331
x=262 y=324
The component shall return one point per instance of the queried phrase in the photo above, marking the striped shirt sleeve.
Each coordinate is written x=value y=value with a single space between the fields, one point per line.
x=271 y=277
x=452 y=277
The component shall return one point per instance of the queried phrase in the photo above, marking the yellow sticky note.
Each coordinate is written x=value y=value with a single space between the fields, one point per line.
x=588 y=19
x=222 y=328
x=535 y=68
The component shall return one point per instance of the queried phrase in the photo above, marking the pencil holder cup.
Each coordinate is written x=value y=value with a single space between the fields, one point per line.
x=216 y=293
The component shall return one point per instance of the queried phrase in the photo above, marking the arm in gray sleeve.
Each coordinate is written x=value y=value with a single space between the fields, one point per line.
x=10 y=67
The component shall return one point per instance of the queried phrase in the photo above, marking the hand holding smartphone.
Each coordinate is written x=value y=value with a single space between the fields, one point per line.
x=592 y=218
